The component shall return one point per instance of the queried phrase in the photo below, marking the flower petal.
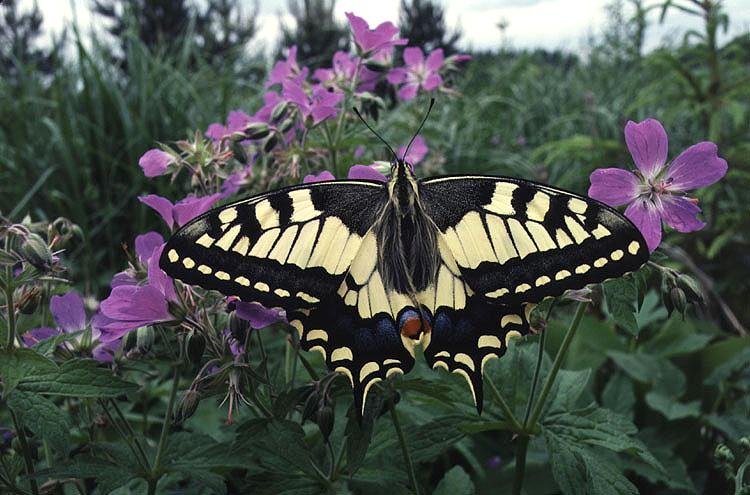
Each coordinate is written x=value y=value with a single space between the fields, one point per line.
x=365 y=172
x=321 y=177
x=644 y=214
x=162 y=206
x=680 y=213
x=237 y=120
x=122 y=278
x=648 y=143
x=432 y=81
x=408 y=91
x=258 y=315
x=193 y=206
x=417 y=151
x=131 y=303
x=146 y=243
x=158 y=278
x=413 y=56
x=154 y=162
x=397 y=75
x=68 y=311
x=36 y=335
x=435 y=60
x=215 y=131
x=613 y=186
x=105 y=351
x=697 y=166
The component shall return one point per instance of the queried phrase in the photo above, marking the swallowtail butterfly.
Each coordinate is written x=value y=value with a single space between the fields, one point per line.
x=367 y=270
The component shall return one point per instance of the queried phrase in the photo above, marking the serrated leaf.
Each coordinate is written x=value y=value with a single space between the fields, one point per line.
x=671 y=408
x=277 y=444
x=455 y=482
x=108 y=476
x=18 y=363
x=621 y=294
x=194 y=451
x=732 y=425
x=42 y=417
x=677 y=337
x=653 y=370
x=569 y=386
x=78 y=378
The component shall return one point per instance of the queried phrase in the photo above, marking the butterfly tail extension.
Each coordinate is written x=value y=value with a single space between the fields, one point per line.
x=364 y=351
x=462 y=342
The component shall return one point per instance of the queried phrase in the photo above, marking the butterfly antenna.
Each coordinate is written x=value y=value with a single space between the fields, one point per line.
x=375 y=132
x=429 y=109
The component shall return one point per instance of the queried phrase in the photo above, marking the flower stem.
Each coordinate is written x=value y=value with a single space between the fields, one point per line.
x=505 y=408
x=130 y=430
x=26 y=454
x=561 y=354
x=404 y=450
x=11 y=307
x=530 y=422
x=155 y=474
x=535 y=381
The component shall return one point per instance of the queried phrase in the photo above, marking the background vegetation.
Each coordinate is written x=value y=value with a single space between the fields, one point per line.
x=76 y=116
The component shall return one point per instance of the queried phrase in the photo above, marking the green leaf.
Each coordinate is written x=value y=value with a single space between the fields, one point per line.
x=78 y=378
x=455 y=482
x=194 y=451
x=43 y=417
x=359 y=433
x=653 y=370
x=671 y=408
x=618 y=395
x=569 y=386
x=732 y=425
x=107 y=475
x=621 y=294
x=47 y=346
x=733 y=365
x=675 y=474
x=677 y=337
x=431 y=439
x=277 y=444
x=19 y=363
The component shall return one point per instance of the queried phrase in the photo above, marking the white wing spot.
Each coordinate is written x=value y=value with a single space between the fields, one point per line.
x=617 y=254
x=222 y=275
x=228 y=215
x=188 y=263
x=633 y=247
x=261 y=286
x=242 y=281
x=173 y=256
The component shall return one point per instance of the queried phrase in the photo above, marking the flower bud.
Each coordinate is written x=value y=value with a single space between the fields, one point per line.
x=35 y=251
x=257 y=130
x=196 y=344
x=239 y=151
x=270 y=143
x=187 y=406
x=279 y=111
x=678 y=300
x=286 y=125
x=692 y=289
x=723 y=454
x=376 y=66
x=30 y=301
x=325 y=419
x=745 y=443
x=144 y=339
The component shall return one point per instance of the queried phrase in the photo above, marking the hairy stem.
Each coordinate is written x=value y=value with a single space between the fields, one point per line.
x=404 y=450
x=155 y=474
x=505 y=408
x=26 y=454
x=520 y=471
x=11 y=307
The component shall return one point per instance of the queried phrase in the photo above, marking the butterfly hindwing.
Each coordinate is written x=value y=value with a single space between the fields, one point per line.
x=290 y=248
x=518 y=242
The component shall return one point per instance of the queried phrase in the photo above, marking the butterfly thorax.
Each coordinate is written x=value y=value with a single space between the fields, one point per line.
x=407 y=238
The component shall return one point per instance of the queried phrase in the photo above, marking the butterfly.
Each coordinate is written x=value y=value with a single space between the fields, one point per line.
x=367 y=270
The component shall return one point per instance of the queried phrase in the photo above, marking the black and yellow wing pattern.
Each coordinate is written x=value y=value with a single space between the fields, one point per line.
x=504 y=244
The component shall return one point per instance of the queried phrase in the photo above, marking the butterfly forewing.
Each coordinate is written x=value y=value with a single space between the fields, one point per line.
x=518 y=242
x=290 y=248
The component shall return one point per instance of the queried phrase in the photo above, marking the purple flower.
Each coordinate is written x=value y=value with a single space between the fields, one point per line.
x=270 y=100
x=347 y=68
x=181 y=212
x=287 y=70
x=129 y=307
x=145 y=244
x=494 y=462
x=319 y=105
x=655 y=193
x=417 y=151
x=374 y=42
x=366 y=172
x=155 y=162
x=321 y=177
x=417 y=73
x=237 y=120
x=70 y=316
x=216 y=131
x=258 y=315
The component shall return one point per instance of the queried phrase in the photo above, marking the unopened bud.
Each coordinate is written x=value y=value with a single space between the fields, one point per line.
x=270 y=143
x=376 y=66
x=279 y=111
x=678 y=299
x=238 y=327
x=35 y=251
x=239 y=152
x=745 y=443
x=30 y=301
x=257 y=130
x=692 y=288
x=187 y=406
x=325 y=419
x=196 y=344
x=286 y=125
x=723 y=454
x=144 y=339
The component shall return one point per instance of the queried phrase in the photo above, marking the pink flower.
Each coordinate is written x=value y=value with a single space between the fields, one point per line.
x=236 y=122
x=155 y=162
x=286 y=70
x=321 y=177
x=378 y=42
x=181 y=212
x=417 y=151
x=319 y=105
x=366 y=172
x=347 y=68
x=417 y=73
x=129 y=307
x=655 y=193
